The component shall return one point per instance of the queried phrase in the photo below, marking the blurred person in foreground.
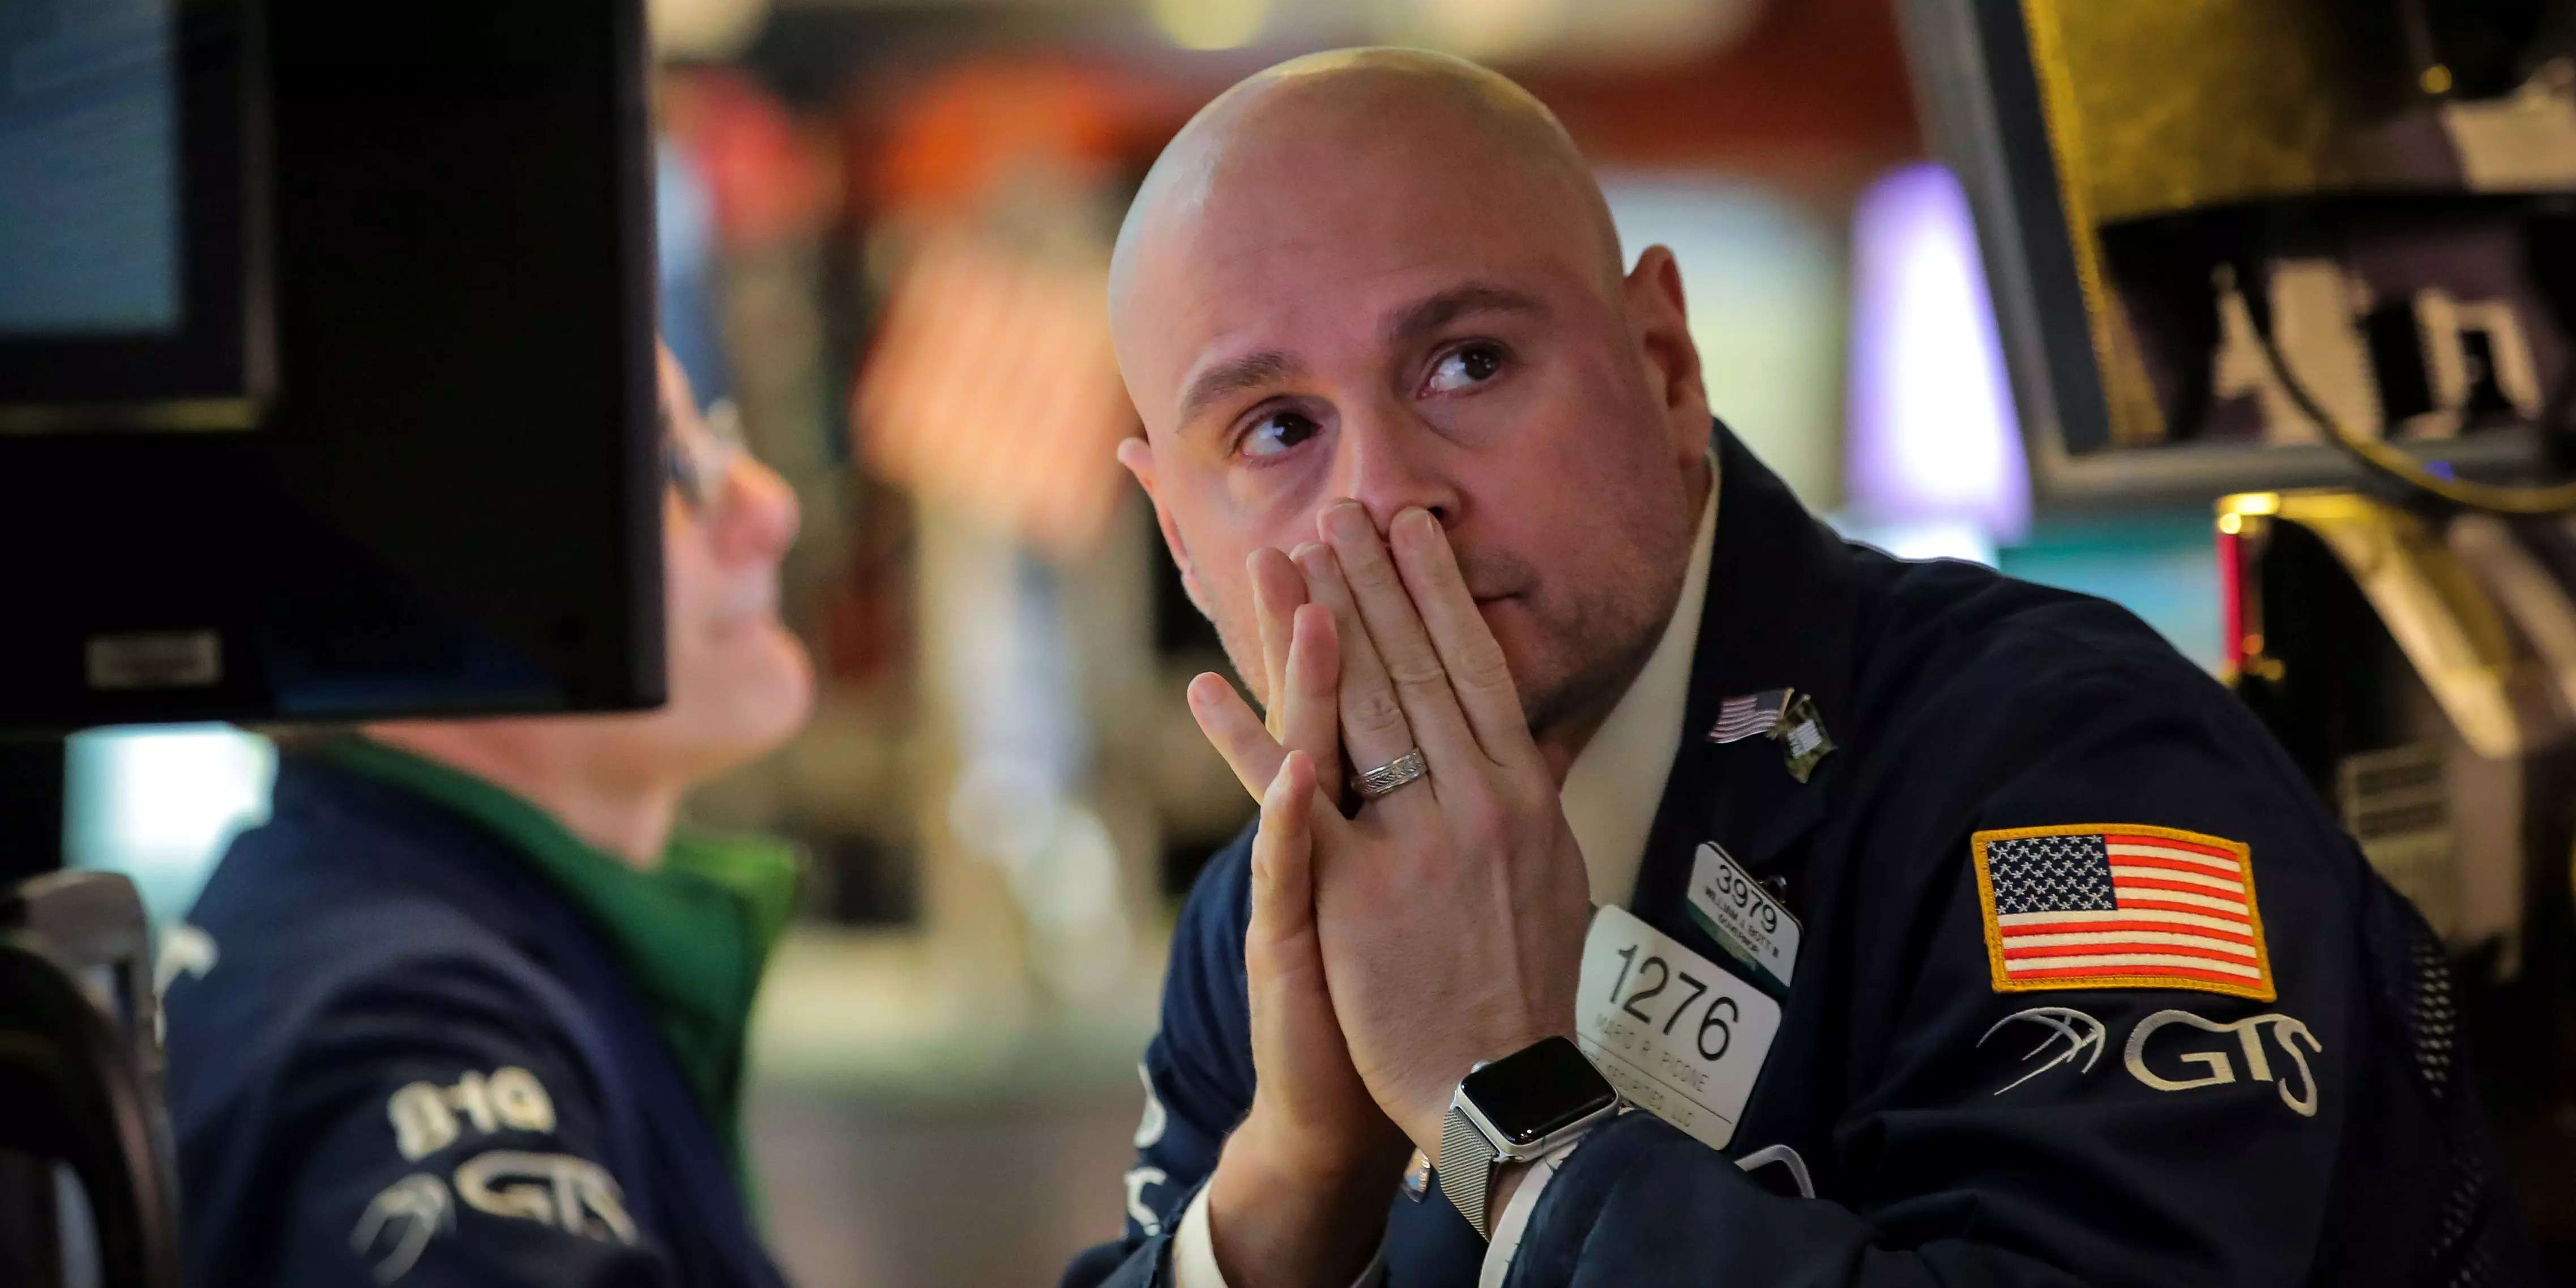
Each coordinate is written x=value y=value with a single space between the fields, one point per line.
x=1950 y=929
x=473 y=1012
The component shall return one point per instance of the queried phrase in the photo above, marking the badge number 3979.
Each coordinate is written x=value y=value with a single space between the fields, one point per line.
x=1742 y=917
x=1676 y=1033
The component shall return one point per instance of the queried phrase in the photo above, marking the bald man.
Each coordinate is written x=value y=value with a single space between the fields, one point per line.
x=1712 y=901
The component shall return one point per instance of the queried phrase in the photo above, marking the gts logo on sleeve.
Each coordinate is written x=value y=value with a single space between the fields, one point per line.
x=567 y=1193
x=570 y=1194
x=2217 y=1069
x=2169 y=1065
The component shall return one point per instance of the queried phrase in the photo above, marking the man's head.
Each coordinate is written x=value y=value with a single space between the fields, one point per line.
x=1388 y=275
x=740 y=683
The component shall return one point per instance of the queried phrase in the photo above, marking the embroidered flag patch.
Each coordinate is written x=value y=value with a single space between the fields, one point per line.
x=2118 y=905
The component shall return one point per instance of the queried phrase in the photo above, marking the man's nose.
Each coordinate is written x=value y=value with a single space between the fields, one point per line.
x=1391 y=462
x=759 y=515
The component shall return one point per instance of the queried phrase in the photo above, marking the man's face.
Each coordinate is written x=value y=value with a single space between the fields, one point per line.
x=1373 y=323
x=740 y=682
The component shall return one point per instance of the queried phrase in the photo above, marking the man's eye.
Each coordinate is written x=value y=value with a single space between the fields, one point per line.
x=1465 y=368
x=1276 y=433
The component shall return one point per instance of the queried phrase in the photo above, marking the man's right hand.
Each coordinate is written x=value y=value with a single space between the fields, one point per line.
x=1300 y=1192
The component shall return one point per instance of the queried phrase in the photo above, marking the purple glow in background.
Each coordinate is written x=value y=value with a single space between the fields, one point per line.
x=1933 y=439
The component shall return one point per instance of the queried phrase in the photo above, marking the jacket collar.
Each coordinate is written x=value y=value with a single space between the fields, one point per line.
x=1779 y=613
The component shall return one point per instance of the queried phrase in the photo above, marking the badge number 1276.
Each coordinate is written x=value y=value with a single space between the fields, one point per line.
x=1676 y=1033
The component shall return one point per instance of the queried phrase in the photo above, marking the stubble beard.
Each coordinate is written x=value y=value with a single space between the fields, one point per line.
x=1605 y=647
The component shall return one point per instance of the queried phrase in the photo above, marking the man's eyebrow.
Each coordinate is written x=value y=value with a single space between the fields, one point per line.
x=1432 y=312
x=1234 y=376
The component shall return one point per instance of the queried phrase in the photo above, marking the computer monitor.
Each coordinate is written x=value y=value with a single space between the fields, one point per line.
x=2214 y=233
x=127 y=237
x=326 y=361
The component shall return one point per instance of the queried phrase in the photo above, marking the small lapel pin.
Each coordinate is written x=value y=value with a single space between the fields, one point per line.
x=1747 y=716
x=1803 y=740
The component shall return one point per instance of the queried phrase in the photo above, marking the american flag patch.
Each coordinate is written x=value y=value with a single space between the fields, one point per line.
x=2102 y=905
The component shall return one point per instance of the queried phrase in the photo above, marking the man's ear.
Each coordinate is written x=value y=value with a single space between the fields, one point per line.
x=1138 y=456
x=1662 y=319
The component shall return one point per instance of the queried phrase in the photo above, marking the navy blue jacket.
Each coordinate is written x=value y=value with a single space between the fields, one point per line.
x=1962 y=702
x=414 y=1062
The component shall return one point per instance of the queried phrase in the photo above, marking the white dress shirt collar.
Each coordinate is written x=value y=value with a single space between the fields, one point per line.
x=1617 y=780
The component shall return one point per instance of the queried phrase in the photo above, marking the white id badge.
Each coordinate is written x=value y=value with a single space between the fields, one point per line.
x=1676 y=1033
x=1737 y=912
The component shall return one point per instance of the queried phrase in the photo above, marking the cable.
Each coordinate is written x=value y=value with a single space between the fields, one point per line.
x=2376 y=454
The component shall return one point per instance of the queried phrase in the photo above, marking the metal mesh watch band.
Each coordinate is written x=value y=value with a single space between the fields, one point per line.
x=1466 y=1167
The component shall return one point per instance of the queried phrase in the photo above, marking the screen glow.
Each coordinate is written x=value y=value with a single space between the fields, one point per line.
x=1933 y=437
x=89 y=168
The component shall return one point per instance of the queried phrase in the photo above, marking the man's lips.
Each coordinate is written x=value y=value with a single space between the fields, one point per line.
x=748 y=603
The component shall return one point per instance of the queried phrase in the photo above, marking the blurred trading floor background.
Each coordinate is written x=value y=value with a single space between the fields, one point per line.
x=885 y=228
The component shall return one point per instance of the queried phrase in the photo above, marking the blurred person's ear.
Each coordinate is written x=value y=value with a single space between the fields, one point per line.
x=1138 y=456
x=1661 y=318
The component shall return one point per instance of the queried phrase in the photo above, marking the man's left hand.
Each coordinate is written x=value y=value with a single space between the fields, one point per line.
x=1452 y=911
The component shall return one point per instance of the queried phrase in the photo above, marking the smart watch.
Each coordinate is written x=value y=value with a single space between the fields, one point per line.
x=1512 y=1110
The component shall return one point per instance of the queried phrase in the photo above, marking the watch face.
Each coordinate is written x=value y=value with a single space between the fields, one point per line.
x=1539 y=1090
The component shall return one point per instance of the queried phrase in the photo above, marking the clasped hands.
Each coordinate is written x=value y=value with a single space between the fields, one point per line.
x=1392 y=949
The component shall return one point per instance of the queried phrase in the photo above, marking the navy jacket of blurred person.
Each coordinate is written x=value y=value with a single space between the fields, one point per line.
x=1959 y=702
x=472 y=1014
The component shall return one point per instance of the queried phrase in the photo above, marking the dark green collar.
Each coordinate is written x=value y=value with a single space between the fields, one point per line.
x=694 y=933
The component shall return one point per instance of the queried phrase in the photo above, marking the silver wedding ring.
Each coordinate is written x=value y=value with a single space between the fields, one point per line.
x=1373 y=783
